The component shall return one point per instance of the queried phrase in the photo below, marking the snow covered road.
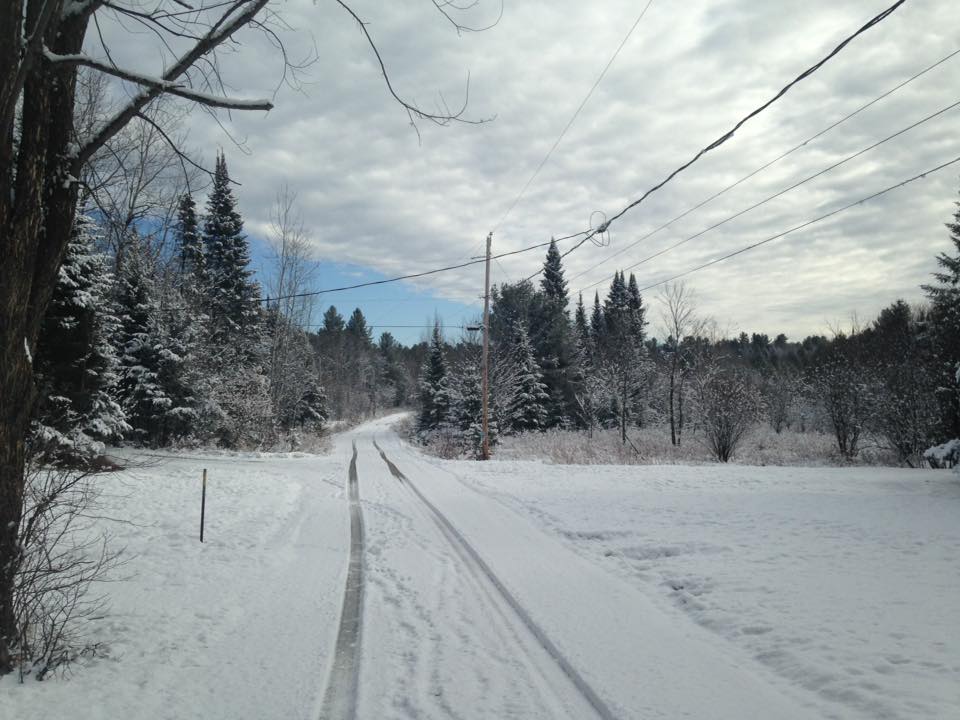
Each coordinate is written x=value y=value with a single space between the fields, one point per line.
x=603 y=647
x=379 y=583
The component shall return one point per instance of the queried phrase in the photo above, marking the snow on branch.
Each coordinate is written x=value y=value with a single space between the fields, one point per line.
x=237 y=15
x=166 y=86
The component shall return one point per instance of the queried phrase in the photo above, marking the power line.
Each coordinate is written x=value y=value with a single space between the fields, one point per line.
x=772 y=162
x=576 y=113
x=394 y=327
x=740 y=123
x=781 y=192
x=411 y=276
x=808 y=223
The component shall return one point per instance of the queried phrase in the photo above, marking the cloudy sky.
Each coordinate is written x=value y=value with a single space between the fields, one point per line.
x=381 y=201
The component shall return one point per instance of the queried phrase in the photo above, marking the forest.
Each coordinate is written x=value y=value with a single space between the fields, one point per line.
x=160 y=334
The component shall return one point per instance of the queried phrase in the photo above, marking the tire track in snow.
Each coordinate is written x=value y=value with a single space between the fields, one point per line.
x=460 y=542
x=340 y=698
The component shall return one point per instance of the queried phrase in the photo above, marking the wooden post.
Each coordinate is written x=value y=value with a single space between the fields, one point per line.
x=203 y=503
x=485 y=451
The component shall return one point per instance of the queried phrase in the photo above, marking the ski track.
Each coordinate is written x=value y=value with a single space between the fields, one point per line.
x=481 y=571
x=340 y=698
x=446 y=645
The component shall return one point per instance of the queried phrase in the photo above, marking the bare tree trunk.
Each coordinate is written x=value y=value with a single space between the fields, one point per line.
x=673 y=424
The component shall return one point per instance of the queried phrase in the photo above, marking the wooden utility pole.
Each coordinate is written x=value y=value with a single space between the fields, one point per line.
x=485 y=451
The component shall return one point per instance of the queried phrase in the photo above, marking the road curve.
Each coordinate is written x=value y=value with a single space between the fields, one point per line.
x=340 y=697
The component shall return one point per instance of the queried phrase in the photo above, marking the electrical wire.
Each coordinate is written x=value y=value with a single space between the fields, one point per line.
x=797 y=184
x=576 y=113
x=880 y=17
x=806 y=224
x=412 y=276
x=772 y=162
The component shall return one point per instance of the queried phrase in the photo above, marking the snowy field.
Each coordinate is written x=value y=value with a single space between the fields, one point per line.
x=845 y=582
x=523 y=590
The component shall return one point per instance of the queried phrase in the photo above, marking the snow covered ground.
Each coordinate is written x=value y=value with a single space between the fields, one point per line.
x=238 y=627
x=844 y=582
x=517 y=589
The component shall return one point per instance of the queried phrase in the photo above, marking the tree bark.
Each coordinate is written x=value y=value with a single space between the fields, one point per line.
x=37 y=206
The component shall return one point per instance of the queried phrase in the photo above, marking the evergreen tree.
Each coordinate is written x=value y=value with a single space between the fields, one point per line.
x=152 y=344
x=528 y=408
x=357 y=329
x=553 y=284
x=141 y=357
x=637 y=312
x=332 y=320
x=311 y=409
x=192 y=265
x=597 y=324
x=233 y=297
x=616 y=309
x=553 y=338
x=466 y=411
x=580 y=327
x=621 y=356
x=944 y=330
x=434 y=385
x=76 y=366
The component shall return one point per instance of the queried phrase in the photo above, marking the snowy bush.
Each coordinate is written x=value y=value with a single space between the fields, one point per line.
x=760 y=446
x=729 y=406
x=945 y=455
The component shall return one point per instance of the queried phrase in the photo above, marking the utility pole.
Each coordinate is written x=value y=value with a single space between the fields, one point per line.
x=485 y=451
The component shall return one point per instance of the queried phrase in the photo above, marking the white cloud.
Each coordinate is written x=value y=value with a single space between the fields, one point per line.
x=375 y=197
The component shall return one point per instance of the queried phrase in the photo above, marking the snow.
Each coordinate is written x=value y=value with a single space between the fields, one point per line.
x=516 y=589
x=238 y=627
x=944 y=455
x=843 y=582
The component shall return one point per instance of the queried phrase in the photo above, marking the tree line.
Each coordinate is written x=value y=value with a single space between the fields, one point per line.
x=173 y=341
x=891 y=383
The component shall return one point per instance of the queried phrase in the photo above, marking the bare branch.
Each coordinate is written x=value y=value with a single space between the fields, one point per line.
x=413 y=110
x=239 y=14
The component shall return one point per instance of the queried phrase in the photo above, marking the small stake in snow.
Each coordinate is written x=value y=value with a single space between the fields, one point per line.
x=203 y=503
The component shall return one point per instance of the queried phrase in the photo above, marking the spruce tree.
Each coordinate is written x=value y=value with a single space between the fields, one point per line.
x=553 y=338
x=621 y=356
x=581 y=329
x=616 y=308
x=553 y=284
x=332 y=320
x=311 y=409
x=232 y=296
x=467 y=406
x=155 y=389
x=528 y=408
x=597 y=323
x=637 y=312
x=358 y=330
x=190 y=256
x=434 y=385
x=944 y=329
x=76 y=366
x=141 y=354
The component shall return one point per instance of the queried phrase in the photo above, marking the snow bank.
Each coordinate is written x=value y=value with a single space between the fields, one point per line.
x=238 y=627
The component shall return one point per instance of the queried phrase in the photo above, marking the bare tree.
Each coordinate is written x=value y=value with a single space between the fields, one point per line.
x=681 y=325
x=292 y=273
x=42 y=159
x=61 y=557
